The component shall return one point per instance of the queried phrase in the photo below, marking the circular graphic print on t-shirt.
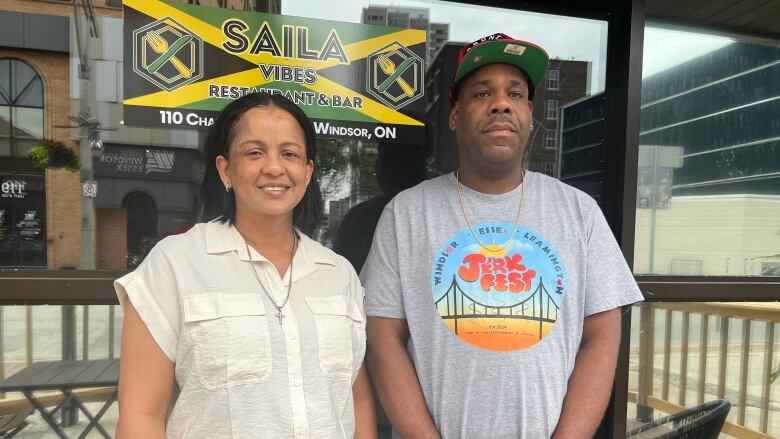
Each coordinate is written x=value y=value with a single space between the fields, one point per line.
x=498 y=297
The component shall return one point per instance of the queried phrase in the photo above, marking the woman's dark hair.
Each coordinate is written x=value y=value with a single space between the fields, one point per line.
x=219 y=204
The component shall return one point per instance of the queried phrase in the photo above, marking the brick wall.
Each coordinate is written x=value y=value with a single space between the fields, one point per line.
x=63 y=200
x=111 y=239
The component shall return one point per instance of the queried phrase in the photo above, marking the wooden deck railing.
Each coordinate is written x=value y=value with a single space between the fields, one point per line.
x=670 y=323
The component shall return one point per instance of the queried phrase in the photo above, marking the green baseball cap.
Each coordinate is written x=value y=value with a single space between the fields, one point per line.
x=503 y=49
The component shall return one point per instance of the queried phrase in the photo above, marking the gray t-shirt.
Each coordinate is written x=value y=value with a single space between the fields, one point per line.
x=494 y=327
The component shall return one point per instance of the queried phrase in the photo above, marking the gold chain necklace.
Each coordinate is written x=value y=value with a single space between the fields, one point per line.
x=493 y=247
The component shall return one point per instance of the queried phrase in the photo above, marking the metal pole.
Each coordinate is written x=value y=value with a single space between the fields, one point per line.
x=653 y=201
x=87 y=248
x=644 y=412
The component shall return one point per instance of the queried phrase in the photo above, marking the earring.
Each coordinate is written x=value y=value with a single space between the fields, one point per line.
x=227 y=187
x=530 y=127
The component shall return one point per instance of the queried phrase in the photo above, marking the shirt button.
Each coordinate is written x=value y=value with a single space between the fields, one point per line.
x=292 y=337
x=296 y=383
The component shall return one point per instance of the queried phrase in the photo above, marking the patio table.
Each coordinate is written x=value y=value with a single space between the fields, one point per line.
x=66 y=376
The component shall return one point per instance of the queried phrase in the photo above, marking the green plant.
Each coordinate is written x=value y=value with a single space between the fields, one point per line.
x=54 y=155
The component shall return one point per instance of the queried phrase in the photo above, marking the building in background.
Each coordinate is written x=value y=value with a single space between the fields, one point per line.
x=270 y=6
x=147 y=179
x=39 y=226
x=565 y=81
x=709 y=163
x=581 y=130
x=409 y=18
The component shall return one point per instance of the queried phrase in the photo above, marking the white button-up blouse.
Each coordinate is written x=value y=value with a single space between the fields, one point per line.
x=240 y=373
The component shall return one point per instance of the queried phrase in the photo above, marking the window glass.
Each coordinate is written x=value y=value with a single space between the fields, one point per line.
x=709 y=155
x=549 y=139
x=32 y=94
x=28 y=122
x=351 y=173
x=21 y=76
x=21 y=116
x=551 y=109
x=5 y=121
x=552 y=79
x=22 y=220
x=149 y=179
x=549 y=168
x=5 y=81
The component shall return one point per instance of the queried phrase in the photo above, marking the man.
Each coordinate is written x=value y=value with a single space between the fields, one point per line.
x=494 y=294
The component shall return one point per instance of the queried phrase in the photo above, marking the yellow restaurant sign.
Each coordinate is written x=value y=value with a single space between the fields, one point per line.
x=184 y=63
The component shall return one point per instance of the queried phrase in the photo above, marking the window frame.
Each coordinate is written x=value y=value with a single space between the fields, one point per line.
x=11 y=138
x=551 y=165
x=553 y=82
x=626 y=22
x=550 y=106
x=550 y=139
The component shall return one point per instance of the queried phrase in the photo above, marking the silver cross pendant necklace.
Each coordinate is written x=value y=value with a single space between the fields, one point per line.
x=279 y=314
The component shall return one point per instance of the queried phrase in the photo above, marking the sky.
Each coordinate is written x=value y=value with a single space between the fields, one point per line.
x=562 y=37
x=469 y=23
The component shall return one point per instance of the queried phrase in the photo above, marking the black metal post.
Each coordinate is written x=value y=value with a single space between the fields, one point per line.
x=625 y=41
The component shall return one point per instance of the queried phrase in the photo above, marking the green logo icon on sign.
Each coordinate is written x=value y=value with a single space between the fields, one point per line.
x=395 y=75
x=167 y=55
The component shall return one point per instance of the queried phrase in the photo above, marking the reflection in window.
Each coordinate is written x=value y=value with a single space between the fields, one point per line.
x=141 y=226
x=549 y=139
x=771 y=268
x=709 y=157
x=21 y=108
x=578 y=71
x=549 y=168
x=551 y=83
x=22 y=220
x=551 y=109
x=686 y=267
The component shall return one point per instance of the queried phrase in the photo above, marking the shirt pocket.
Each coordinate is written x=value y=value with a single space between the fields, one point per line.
x=230 y=332
x=339 y=334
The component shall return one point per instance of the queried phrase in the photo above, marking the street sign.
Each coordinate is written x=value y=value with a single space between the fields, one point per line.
x=89 y=188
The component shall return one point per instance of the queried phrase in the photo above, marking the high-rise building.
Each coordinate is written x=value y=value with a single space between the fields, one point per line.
x=701 y=106
x=709 y=158
x=437 y=37
x=409 y=18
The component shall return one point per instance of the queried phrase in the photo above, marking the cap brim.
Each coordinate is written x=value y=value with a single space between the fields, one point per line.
x=528 y=57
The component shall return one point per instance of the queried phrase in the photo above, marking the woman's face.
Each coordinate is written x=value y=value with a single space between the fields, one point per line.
x=266 y=165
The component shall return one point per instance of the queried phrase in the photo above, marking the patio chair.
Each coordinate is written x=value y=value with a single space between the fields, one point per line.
x=703 y=421
x=12 y=424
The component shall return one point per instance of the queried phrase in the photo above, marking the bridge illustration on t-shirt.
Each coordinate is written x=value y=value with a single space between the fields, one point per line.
x=498 y=327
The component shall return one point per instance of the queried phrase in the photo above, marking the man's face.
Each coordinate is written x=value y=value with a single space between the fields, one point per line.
x=492 y=118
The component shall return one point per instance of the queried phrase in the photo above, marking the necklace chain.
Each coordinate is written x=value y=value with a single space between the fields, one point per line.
x=279 y=314
x=494 y=248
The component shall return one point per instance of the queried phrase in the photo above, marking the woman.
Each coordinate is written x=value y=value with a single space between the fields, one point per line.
x=259 y=328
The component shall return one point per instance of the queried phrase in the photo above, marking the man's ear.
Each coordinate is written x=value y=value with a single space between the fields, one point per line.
x=453 y=119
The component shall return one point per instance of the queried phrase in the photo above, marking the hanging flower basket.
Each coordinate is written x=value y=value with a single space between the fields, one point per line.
x=52 y=154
